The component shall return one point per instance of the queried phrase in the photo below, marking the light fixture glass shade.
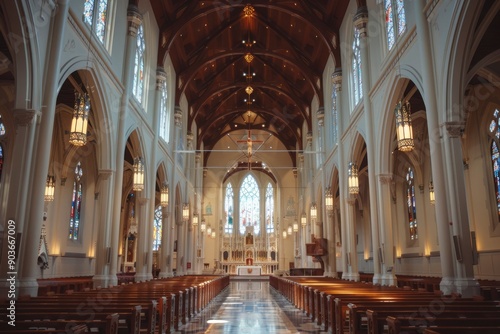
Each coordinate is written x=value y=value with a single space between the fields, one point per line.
x=432 y=198
x=353 y=178
x=185 y=212
x=203 y=225
x=195 y=219
x=314 y=211
x=329 y=199
x=209 y=230
x=164 y=195
x=50 y=185
x=138 y=184
x=212 y=234
x=289 y=230
x=404 y=129
x=79 y=123
x=284 y=234
x=303 y=219
x=295 y=226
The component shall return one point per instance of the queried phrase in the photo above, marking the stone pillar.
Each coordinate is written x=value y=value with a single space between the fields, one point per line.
x=166 y=244
x=104 y=223
x=28 y=269
x=134 y=21
x=173 y=204
x=142 y=272
x=436 y=154
x=465 y=283
x=386 y=229
x=361 y=21
x=351 y=257
x=332 y=254
x=337 y=84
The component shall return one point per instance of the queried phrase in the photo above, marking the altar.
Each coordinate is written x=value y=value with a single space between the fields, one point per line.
x=249 y=270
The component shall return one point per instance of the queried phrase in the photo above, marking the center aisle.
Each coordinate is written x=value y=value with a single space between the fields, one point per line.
x=250 y=307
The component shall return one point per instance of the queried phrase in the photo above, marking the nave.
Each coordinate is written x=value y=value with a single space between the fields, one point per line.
x=250 y=306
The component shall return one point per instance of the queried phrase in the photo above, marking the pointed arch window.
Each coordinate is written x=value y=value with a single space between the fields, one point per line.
x=95 y=14
x=228 y=208
x=356 y=68
x=138 y=84
x=76 y=204
x=494 y=132
x=164 y=115
x=1 y=162
x=2 y=127
x=269 y=209
x=249 y=205
x=411 y=204
x=395 y=21
x=157 y=228
x=334 y=132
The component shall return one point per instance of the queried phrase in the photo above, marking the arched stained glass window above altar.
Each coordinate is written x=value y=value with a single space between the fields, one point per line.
x=249 y=205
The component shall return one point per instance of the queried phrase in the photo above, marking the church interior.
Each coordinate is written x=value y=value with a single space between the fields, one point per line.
x=329 y=144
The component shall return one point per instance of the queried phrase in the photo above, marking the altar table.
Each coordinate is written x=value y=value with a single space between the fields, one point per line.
x=249 y=270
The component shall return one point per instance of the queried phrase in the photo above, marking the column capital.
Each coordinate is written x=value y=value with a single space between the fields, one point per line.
x=337 y=79
x=320 y=115
x=178 y=116
x=309 y=137
x=197 y=157
x=189 y=138
x=454 y=129
x=385 y=178
x=134 y=19
x=104 y=174
x=142 y=200
x=361 y=21
x=161 y=78
x=24 y=117
x=351 y=200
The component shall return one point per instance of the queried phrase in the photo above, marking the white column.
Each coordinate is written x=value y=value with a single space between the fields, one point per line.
x=465 y=283
x=437 y=165
x=351 y=257
x=361 y=21
x=134 y=21
x=142 y=267
x=332 y=254
x=386 y=237
x=27 y=269
x=103 y=246
x=166 y=244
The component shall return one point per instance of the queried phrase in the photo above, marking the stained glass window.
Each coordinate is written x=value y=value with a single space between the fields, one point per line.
x=495 y=157
x=356 y=68
x=228 y=208
x=76 y=204
x=138 y=83
x=269 y=208
x=97 y=22
x=2 y=127
x=395 y=20
x=334 y=132
x=1 y=161
x=157 y=224
x=164 y=116
x=411 y=204
x=249 y=205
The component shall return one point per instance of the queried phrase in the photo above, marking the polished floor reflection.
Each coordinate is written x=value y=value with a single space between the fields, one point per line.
x=250 y=307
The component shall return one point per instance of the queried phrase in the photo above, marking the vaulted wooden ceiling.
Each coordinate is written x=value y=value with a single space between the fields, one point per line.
x=249 y=65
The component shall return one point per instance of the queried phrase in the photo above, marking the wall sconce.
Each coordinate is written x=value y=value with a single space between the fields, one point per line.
x=185 y=212
x=195 y=219
x=404 y=127
x=303 y=219
x=50 y=185
x=353 y=178
x=432 y=198
x=79 y=123
x=314 y=211
x=138 y=184
x=164 y=195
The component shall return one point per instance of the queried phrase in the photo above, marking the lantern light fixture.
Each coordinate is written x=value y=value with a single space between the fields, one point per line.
x=353 y=178
x=138 y=168
x=50 y=188
x=79 y=123
x=432 y=197
x=404 y=129
x=314 y=211
x=329 y=199
x=185 y=212
x=303 y=219
x=164 y=195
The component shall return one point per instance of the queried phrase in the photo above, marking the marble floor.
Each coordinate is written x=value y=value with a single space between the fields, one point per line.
x=250 y=307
